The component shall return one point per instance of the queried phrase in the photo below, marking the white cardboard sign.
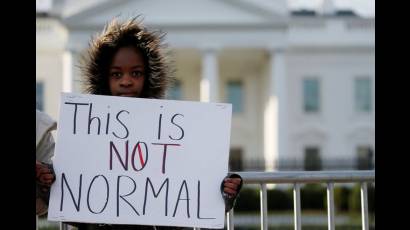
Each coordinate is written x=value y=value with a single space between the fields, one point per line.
x=140 y=161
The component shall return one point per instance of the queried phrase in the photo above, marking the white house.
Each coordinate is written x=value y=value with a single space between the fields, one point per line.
x=301 y=83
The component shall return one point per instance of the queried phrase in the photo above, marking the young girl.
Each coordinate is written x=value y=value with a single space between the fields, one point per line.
x=128 y=60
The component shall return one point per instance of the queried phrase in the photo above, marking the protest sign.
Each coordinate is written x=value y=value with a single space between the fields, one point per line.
x=122 y=160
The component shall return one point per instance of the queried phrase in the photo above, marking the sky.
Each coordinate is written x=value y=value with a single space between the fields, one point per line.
x=364 y=8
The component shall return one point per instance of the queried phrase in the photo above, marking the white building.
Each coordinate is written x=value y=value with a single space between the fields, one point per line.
x=301 y=84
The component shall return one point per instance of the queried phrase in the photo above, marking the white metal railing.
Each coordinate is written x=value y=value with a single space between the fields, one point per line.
x=304 y=177
x=298 y=178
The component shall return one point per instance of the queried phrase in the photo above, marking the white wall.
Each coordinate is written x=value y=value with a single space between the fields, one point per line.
x=337 y=127
x=50 y=43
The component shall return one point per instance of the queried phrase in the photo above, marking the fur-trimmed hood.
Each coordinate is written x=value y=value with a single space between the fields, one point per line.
x=116 y=34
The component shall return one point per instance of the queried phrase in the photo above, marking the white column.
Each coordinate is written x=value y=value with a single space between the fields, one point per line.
x=209 y=87
x=71 y=70
x=68 y=65
x=282 y=89
x=275 y=117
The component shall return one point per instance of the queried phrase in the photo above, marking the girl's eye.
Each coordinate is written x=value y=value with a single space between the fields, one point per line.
x=137 y=74
x=116 y=74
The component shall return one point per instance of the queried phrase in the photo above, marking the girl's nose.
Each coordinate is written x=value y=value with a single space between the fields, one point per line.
x=126 y=80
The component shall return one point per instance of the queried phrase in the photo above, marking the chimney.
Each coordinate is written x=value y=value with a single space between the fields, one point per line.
x=328 y=7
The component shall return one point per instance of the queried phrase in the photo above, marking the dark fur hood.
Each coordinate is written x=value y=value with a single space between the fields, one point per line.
x=102 y=47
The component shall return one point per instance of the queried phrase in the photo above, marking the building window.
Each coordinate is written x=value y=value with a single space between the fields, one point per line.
x=40 y=96
x=175 y=91
x=235 y=95
x=311 y=95
x=312 y=158
x=363 y=94
x=235 y=159
x=364 y=157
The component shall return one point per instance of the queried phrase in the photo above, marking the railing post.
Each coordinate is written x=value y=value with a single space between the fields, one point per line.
x=296 y=204
x=365 y=211
x=230 y=219
x=63 y=226
x=264 y=207
x=330 y=206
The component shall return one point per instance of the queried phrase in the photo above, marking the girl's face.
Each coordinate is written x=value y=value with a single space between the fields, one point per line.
x=127 y=73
